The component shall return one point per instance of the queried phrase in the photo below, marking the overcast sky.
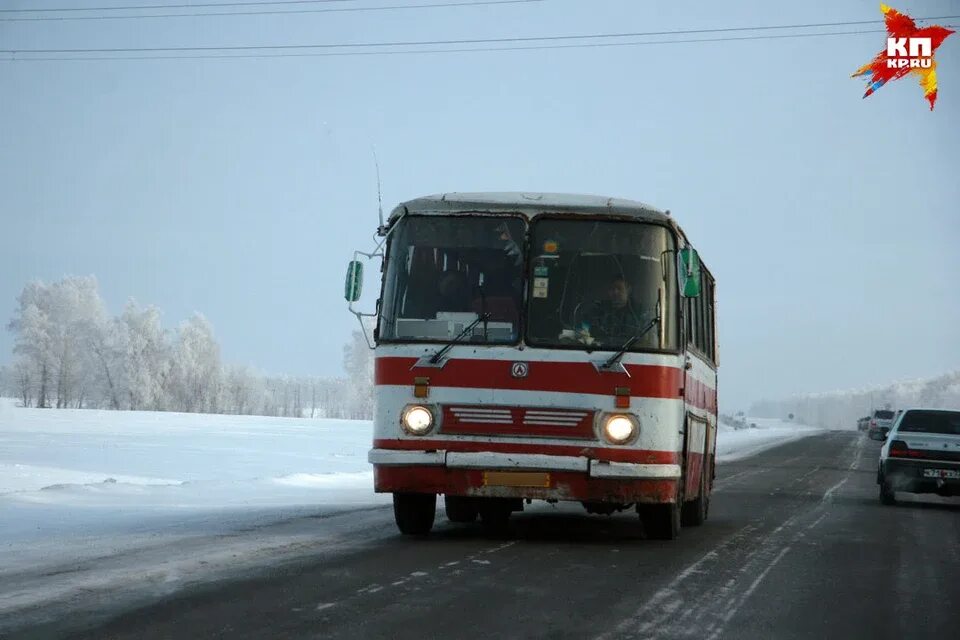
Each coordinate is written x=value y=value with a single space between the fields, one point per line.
x=238 y=188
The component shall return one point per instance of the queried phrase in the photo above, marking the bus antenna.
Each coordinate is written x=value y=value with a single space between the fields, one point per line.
x=376 y=164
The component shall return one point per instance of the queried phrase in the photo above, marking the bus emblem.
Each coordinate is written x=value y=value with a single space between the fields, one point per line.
x=519 y=370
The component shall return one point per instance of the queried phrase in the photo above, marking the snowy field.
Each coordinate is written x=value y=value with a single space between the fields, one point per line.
x=108 y=499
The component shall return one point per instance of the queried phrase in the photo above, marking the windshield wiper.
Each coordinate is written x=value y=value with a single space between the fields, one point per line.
x=435 y=358
x=615 y=358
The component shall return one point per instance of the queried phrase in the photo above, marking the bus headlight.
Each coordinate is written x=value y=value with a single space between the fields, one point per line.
x=417 y=420
x=620 y=429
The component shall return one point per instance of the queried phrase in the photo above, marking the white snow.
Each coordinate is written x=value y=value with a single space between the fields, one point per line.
x=736 y=444
x=112 y=500
x=81 y=486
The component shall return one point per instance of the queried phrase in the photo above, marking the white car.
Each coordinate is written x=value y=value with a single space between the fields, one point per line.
x=880 y=422
x=921 y=454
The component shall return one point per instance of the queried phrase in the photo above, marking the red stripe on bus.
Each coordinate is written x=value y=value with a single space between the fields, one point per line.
x=644 y=456
x=644 y=381
x=647 y=381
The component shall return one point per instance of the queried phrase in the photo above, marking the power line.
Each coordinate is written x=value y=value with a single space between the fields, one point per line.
x=202 y=56
x=170 y=6
x=472 y=3
x=426 y=43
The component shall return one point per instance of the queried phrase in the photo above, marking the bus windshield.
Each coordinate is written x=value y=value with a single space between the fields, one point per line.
x=443 y=273
x=596 y=285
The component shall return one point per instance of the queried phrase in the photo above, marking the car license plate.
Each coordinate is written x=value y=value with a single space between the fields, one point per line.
x=516 y=479
x=946 y=474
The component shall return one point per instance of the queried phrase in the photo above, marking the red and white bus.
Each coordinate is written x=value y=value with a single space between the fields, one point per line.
x=542 y=347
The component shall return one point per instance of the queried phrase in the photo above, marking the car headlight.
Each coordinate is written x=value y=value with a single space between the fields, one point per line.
x=620 y=429
x=417 y=420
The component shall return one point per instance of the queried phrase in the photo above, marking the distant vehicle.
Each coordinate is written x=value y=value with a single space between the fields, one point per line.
x=863 y=423
x=921 y=455
x=880 y=423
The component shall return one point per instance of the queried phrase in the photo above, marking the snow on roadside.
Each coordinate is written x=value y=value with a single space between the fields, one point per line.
x=736 y=444
x=78 y=484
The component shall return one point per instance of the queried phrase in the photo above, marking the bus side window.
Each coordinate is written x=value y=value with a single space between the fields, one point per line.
x=692 y=322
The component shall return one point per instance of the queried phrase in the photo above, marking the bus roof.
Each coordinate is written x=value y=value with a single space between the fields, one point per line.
x=530 y=204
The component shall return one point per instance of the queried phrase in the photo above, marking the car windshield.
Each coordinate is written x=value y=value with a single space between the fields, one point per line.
x=943 y=422
x=596 y=284
x=883 y=415
x=443 y=272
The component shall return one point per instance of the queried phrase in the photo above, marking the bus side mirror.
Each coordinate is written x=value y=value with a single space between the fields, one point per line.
x=689 y=273
x=353 y=284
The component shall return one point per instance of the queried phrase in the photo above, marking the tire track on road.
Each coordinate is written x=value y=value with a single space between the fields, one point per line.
x=707 y=595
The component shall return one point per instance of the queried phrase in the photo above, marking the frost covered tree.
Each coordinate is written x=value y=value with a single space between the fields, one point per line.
x=358 y=363
x=240 y=386
x=145 y=357
x=23 y=383
x=195 y=367
x=55 y=325
x=106 y=360
x=71 y=353
x=333 y=395
x=75 y=312
x=33 y=343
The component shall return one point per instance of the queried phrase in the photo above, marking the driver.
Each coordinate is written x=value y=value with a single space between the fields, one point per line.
x=613 y=316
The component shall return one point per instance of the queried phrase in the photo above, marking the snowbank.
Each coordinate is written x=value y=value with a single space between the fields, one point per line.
x=736 y=444
x=77 y=484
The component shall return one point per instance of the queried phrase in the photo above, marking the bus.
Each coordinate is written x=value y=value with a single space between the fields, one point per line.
x=536 y=346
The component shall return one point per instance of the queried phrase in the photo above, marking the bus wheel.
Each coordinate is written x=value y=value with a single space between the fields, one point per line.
x=414 y=512
x=460 y=508
x=660 y=521
x=694 y=513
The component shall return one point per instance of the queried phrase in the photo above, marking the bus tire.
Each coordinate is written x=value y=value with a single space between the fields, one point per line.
x=460 y=508
x=660 y=521
x=414 y=512
x=694 y=513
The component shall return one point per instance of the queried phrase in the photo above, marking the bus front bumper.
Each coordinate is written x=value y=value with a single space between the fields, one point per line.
x=523 y=475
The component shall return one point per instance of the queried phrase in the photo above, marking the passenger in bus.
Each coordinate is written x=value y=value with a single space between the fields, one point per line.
x=613 y=317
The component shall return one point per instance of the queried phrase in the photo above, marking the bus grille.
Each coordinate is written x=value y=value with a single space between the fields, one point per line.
x=518 y=421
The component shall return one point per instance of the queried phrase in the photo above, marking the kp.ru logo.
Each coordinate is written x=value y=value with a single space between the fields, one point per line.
x=909 y=50
x=920 y=56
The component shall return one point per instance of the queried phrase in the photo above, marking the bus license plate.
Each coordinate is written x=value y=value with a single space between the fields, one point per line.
x=946 y=474
x=516 y=479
